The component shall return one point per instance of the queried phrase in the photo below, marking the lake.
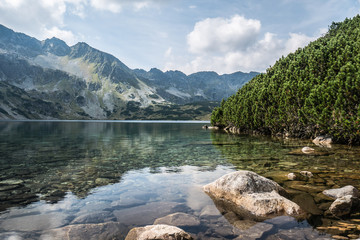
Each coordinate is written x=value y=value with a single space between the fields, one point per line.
x=78 y=177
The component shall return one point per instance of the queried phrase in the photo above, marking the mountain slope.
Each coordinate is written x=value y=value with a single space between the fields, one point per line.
x=177 y=87
x=314 y=91
x=88 y=83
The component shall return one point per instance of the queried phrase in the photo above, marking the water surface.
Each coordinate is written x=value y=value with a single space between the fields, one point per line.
x=56 y=176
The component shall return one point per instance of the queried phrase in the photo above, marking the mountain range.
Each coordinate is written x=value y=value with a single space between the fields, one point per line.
x=51 y=80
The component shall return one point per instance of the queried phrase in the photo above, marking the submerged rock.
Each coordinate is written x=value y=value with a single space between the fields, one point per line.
x=12 y=182
x=307 y=203
x=35 y=222
x=178 y=219
x=307 y=150
x=341 y=192
x=291 y=176
x=104 y=231
x=277 y=176
x=251 y=196
x=307 y=174
x=146 y=214
x=158 y=232
x=94 y=217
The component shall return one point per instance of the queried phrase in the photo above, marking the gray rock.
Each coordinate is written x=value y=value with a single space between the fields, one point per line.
x=178 y=219
x=341 y=192
x=251 y=196
x=158 y=232
x=342 y=206
x=103 y=231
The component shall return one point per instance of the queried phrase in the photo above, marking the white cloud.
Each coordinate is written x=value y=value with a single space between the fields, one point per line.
x=10 y=3
x=116 y=6
x=41 y=18
x=77 y=7
x=141 y=5
x=235 y=44
x=223 y=35
x=297 y=40
x=64 y=35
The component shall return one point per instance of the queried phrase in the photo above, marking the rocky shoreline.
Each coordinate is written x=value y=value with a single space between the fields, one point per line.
x=321 y=140
x=251 y=199
x=253 y=205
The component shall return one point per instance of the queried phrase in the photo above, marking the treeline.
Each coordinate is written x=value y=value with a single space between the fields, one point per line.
x=314 y=91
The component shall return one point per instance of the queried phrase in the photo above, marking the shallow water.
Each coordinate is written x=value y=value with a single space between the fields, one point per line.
x=108 y=177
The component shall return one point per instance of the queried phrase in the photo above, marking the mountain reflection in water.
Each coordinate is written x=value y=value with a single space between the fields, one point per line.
x=77 y=175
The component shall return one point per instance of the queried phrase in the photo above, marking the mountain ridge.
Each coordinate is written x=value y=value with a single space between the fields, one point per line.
x=109 y=89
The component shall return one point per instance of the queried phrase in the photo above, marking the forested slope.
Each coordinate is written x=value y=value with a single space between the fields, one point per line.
x=314 y=91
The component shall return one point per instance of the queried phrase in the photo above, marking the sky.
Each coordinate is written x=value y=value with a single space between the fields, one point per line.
x=188 y=35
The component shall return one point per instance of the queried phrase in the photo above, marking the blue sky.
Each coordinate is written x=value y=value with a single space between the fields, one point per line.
x=214 y=35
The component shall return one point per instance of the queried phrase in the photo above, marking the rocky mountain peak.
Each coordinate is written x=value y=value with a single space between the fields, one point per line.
x=56 y=46
x=19 y=43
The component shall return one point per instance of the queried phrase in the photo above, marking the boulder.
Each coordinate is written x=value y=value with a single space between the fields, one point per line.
x=158 y=232
x=251 y=196
x=341 y=192
x=342 y=206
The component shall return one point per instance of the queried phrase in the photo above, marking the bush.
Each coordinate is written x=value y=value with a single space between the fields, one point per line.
x=315 y=90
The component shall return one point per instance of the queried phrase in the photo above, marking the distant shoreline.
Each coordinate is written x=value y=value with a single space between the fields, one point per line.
x=107 y=121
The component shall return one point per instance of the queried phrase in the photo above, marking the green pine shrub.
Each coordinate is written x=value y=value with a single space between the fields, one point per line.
x=314 y=91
